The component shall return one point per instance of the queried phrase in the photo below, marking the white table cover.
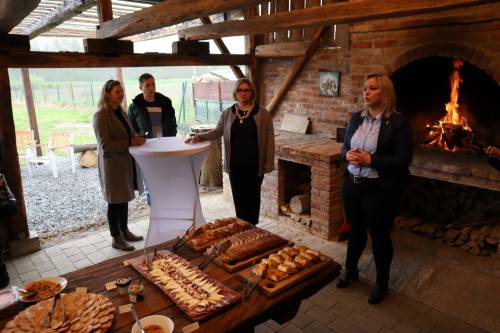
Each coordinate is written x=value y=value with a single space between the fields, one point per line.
x=171 y=171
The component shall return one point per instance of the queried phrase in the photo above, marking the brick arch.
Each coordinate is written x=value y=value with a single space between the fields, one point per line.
x=479 y=58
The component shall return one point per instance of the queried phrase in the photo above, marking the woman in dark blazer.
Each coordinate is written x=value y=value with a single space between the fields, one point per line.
x=118 y=172
x=378 y=149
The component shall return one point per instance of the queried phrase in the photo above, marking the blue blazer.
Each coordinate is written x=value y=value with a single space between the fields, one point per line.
x=394 y=147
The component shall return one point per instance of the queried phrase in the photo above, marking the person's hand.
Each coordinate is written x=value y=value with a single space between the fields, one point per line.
x=358 y=157
x=193 y=139
x=138 y=141
x=492 y=151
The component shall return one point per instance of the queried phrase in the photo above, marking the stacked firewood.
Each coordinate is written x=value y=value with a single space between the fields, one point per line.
x=302 y=218
x=479 y=240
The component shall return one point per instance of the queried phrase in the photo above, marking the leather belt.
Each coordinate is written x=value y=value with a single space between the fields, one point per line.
x=362 y=180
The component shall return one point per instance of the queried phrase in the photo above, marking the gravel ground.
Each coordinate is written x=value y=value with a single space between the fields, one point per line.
x=71 y=203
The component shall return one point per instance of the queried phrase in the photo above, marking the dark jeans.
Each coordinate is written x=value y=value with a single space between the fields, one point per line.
x=246 y=195
x=117 y=218
x=370 y=207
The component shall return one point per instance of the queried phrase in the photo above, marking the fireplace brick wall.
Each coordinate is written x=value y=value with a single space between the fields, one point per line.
x=381 y=46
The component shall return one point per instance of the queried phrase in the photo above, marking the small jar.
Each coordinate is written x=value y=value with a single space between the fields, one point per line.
x=135 y=293
x=122 y=285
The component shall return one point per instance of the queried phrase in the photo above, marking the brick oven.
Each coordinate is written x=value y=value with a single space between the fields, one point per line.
x=417 y=53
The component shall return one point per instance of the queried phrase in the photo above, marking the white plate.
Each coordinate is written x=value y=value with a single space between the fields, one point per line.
x=164 y=322
x=58 y=279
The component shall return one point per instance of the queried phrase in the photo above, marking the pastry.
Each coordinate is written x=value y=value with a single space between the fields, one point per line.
x=276 y=276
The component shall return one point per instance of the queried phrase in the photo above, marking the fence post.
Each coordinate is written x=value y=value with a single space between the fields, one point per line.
x=92 y=92
x=58 y=93
x=44 y=96
x=72 y=93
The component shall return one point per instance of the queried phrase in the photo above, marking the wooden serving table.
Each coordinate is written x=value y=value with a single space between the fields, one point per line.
x=242 y=317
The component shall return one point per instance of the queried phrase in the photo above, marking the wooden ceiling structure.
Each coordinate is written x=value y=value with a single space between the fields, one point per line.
x=273 y=28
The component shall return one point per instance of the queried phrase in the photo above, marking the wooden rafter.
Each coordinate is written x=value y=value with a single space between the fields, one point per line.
x=296 y=69
x=66 y=11
x=331 y=13
x=164 y=14
x=223 y=49
x=14 y=11
x=78 y=60
x=287 y=49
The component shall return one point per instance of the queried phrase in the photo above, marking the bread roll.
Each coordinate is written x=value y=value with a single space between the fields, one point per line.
x=277 y=276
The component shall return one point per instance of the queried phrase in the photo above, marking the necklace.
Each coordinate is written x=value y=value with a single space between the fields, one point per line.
x=241 y=117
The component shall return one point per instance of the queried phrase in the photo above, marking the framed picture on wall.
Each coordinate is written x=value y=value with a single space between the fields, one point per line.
x=329 y=83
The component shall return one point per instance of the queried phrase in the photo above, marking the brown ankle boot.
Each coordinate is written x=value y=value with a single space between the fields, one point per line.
x=128 y=235
x=120 y=244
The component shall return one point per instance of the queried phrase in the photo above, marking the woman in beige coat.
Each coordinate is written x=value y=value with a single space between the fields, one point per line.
x=118 y=172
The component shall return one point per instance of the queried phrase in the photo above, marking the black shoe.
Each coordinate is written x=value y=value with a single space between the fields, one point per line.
x=346 y=278
x=120 y=244
x=378 y=294
x=129 y=236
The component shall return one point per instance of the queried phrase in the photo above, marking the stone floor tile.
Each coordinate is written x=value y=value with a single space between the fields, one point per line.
x=328 y=290
x=350 y=300
x=110 y=252
x=77 y=257
x=262 y=328
x=273 y=325
x=404 y=311
x=320 y=315
x=50 y=273
x=301 y=320
x=16 y=282
x=466 y=328
x=71 y=251
x=53 y=251
x=340 y=310
x=102 y=244
x=81 y=242
x=290 y=328
x=28 y=276
x=95 y=238
x=322 y=301
x=405 y=327
x=381 y=317
x=340 y=325
x=66 y=269
x=105 y=235
x=66 y=245
x=305 y=305
x=387 y=330
x=359 y=320
x=43 y=266
x=83 y=263
x=96 y=257
x=61 y=261
x=423 y=323
x=442 y=319
x=38 y=256
x=23 y=264
x=315 y=327
x=88 y=249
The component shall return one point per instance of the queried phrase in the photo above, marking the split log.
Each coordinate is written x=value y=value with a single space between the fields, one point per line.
x=88 y=159
x=491 y=240
x=475 y=250
x=285 y=209
x=301 y=203
x=451 y=235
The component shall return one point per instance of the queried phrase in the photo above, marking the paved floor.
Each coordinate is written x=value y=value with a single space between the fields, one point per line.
x=330 y=310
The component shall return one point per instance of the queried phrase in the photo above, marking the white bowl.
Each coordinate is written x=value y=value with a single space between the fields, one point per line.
x=164 y=322
x=57 y=279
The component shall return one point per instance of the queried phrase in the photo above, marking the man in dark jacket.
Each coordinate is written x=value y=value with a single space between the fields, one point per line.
x=4 y=276
x=151 y=113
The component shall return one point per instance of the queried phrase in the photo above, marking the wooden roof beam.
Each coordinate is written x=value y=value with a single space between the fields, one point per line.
x=335 y=13
x=81 y=60
x=166 y=13
x=12 y=12
x=64 y=12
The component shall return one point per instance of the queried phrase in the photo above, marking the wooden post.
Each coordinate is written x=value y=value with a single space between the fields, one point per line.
x=253 y=71
x=17 y=224
x=72 y=93
x=104 y=10
x=119 y=77
x=30 y=106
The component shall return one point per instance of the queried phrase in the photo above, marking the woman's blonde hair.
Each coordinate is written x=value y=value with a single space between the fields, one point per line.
x=104 y=98
x=388 y=94
x=250 y=84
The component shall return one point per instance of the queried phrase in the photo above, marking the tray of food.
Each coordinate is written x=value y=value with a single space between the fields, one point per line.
x=41 y=289
x=196 y=294
x=202 y=237
x=84 y=312
x=247 y=247
x=285 y=268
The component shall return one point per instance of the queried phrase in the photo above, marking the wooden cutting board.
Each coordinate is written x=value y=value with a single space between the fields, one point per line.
x=233 y=267
x=272 y=288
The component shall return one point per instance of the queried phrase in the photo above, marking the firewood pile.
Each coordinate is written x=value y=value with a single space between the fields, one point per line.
x=479 y=239
x=302 y=218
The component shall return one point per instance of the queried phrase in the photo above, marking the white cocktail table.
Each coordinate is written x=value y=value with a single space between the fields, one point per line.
x=171 y=170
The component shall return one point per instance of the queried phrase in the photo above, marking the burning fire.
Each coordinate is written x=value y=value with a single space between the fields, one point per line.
x=450 y=131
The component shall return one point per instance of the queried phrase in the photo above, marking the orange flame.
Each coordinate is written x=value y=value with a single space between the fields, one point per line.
x=452 y=114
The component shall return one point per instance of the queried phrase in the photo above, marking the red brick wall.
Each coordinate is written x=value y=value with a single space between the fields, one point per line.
x=376 y=47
